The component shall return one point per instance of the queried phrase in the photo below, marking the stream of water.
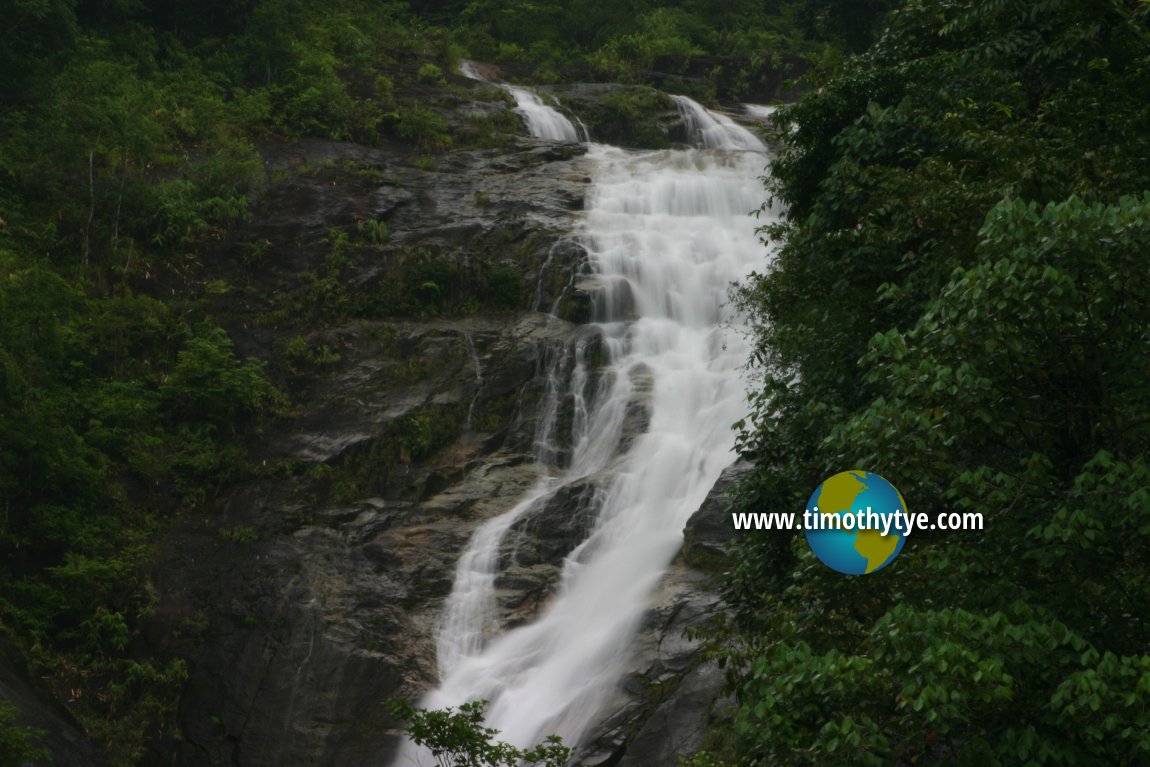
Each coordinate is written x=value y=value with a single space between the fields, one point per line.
x=667 y=233
x=543 y=121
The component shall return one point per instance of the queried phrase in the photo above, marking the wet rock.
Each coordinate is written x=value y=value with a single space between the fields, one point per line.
x=709 y=532
x=316 y=591
x=575 y=305
x=637 y=416
x=663 y=707
x=678 y=725
x=565 y=263
x=561 y=523
x=632 y=116
x=309 y=632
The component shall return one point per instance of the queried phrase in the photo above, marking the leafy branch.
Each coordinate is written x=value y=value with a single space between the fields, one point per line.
x=459 y=738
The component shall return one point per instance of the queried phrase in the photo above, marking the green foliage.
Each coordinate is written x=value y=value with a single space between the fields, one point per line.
x=424 y=285
x=424 y=127
x=375 y=231
x=662 y=32
x=618 y=41
x=430 y=73
x=958 y=304
x=421 y=433
x=702 y=759
x=850 y=23
x=302 y=355
x=503 y=287
x=489 y=130
x=138 y=704
x=211 y=195
x=458 y=738
x=239 y=534
x=631 y=118
x=18 y=743
x=99 y=395
x=210 y=385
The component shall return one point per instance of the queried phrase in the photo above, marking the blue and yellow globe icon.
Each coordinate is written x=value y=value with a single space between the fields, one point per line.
x=869 y=528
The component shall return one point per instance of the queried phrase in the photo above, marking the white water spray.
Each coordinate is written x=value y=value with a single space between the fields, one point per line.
x=760 y=112
x=715 y=131
x=543 y=122
x=667 y=233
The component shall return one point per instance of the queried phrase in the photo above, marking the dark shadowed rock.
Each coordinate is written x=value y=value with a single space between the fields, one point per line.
x=62 y=737
x=663 y=708
x=709 y=531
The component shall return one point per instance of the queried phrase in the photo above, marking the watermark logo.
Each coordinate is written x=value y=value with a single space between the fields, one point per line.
x=856 y=522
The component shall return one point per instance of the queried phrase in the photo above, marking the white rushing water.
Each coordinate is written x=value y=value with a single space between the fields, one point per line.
x=715 y=131
x=667 y=233
x=761 y=112
x=543 y=121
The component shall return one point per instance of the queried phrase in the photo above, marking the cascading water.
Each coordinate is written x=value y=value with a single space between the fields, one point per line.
x=543 y=122
x=760 y=112
x=667 y=233
x=715 y=131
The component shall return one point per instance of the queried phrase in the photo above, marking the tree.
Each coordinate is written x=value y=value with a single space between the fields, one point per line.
x=18 y=743
x=458 y=738
x=957 y=305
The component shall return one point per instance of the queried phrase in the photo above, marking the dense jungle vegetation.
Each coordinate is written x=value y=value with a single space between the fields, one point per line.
x=959 y=304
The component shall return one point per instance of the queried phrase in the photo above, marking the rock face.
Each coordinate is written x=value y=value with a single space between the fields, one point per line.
x=63 y=739
x=309 y=632
x=413 y=311
x=306 y=598
x=664 y=706
x=708 y=533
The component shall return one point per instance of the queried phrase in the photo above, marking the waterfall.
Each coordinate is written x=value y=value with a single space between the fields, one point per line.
x=760 y=112
x=667 y=232
x=715 y=131
x=468 y=70
x=473 y=353
x=543 y=122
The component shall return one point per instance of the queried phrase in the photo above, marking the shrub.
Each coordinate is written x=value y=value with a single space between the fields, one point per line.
x=458 y=738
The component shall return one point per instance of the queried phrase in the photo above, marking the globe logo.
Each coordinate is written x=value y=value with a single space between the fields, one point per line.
x=856 y=522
